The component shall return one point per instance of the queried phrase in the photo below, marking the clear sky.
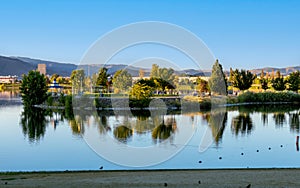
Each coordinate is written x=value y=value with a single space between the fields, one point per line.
x=241 y=34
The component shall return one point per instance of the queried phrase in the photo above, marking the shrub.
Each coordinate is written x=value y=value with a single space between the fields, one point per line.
x=269 y=97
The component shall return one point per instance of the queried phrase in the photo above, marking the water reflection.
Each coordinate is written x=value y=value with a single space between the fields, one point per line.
x=264 y=118
x=154 y=125
x=294 y=121
x=33 y=122
x=279 y=118
x=122 y=133
x=164 y=130
x=217 y=121
x=242 y=124
x=9 y=94
x=101 y=122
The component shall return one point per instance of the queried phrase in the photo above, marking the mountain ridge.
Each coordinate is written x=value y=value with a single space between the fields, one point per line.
x=22 y=65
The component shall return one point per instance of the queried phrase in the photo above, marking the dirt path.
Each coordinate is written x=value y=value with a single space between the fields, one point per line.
x=166 y=178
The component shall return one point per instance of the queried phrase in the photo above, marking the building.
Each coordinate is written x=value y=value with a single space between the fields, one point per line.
x=42 y=68
x=8 y=79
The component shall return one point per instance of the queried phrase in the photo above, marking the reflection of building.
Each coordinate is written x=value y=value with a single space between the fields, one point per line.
x=55 y=87
x=9 y=94
x=42 y=68
x=8 y=79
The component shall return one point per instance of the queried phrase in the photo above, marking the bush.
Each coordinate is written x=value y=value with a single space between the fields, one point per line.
x=269 y=97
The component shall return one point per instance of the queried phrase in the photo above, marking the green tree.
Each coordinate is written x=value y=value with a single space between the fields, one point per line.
x=264 y=83
x=217 y=82
x=141 y=91
x=242 y=79
x=278 y=83
x=122 y=80
x=147 y=82
x=102 y=79
x=33 y=88
x=154 y=71
x=163 y=77
x=294 y=81
x=77 y=80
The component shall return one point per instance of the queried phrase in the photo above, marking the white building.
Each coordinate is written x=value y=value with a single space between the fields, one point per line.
x=8 y=79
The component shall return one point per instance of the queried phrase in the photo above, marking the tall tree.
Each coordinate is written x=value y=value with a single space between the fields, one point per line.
x=242 y=79
x=77 y=80
x=278 y=83
x=263 y=81
x=154 y=71
x=102 y=77
x=33 y=88
x=122 y=80
x=141 y=73
x=262 y=74
x=294 y=81
x=217 y=82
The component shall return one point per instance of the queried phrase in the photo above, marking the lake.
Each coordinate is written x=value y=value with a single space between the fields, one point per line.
x=253 y=136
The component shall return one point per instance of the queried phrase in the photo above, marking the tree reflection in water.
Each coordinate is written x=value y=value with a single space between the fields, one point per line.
x=242 y=123
x=101 y=122
x=33 y=122
x=122 y=133
x=142 y=124
x=217 y=122
x=264 y=118
x=294 y=121
x=164 y=130
x=279 y=118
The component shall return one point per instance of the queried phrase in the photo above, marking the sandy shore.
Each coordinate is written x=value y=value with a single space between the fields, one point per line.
x=156 y=178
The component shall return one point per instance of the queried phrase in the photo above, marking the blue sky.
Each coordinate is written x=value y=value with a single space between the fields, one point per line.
x=241 y=34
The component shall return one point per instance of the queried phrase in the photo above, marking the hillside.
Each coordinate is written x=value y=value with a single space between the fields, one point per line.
x=21 y=65
x=283 y=71
x=12 y=66
x=63 y=69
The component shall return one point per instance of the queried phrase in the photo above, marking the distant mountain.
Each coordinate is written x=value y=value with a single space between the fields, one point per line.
x=283 y=71
x=12 y=66
x=22 y=65
x=63 y=69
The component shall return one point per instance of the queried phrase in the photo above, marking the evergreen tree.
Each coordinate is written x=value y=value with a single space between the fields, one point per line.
x=102 y=77
x=217 y=82
x=294 y=81
x=242 y=79
x=264 y=81
x=278 y=83
x=33 y=89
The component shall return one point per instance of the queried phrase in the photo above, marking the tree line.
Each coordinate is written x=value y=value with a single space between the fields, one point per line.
x=160 y=81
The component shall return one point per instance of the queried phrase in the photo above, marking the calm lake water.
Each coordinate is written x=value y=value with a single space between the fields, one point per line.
x=237 y=137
